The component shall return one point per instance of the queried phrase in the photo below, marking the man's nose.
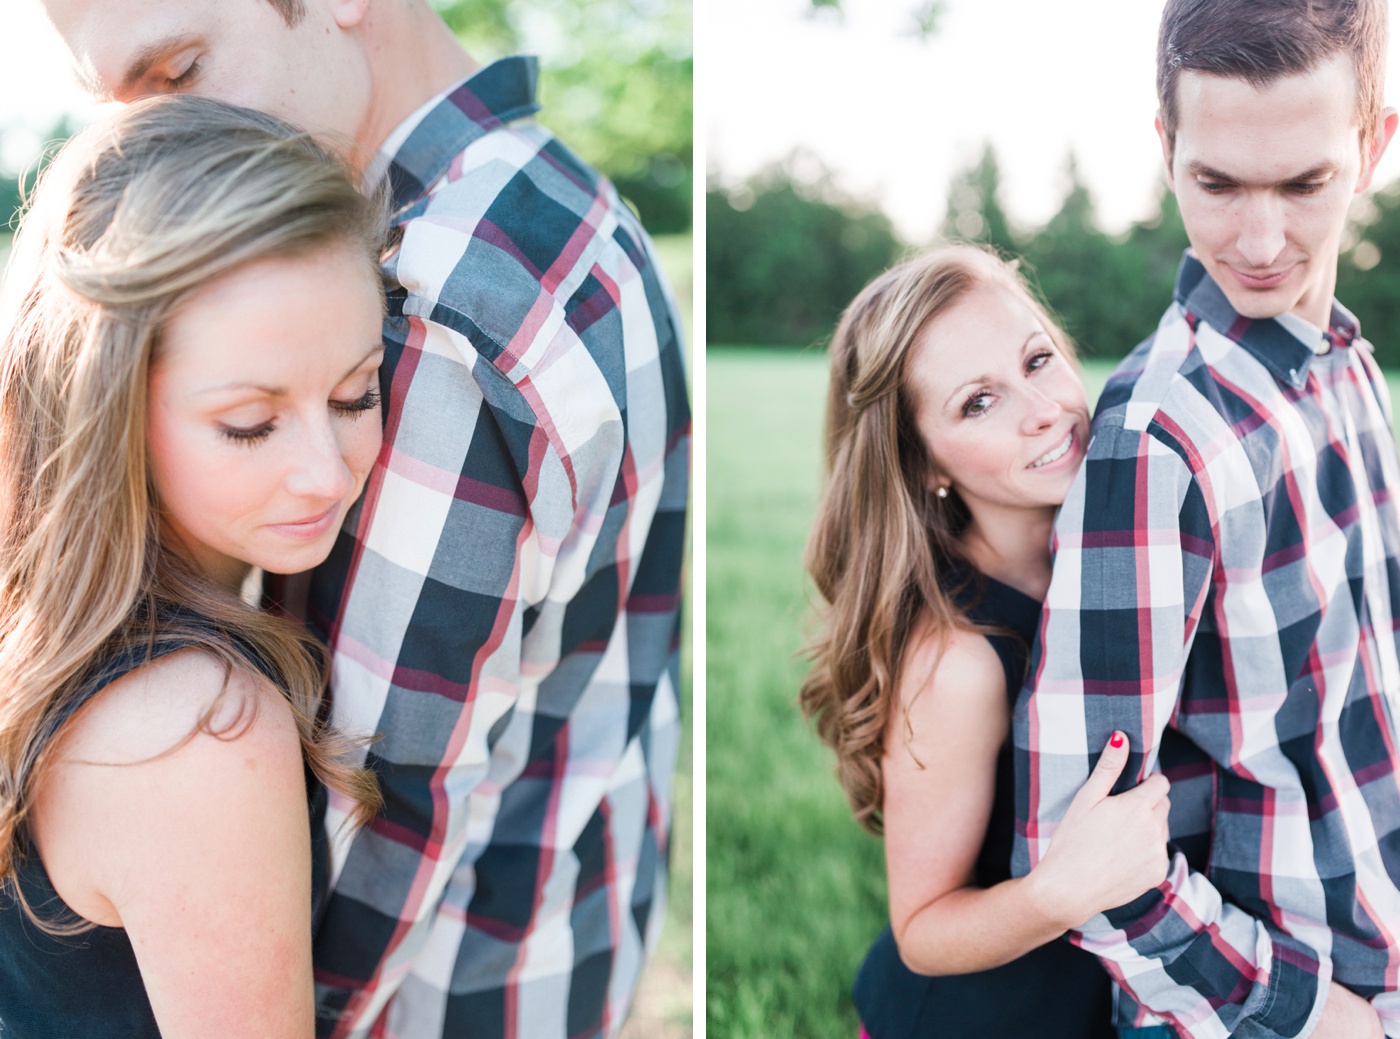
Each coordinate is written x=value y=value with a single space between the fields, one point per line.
x=1262 y=229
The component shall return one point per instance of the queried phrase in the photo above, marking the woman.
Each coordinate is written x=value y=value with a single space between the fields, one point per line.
x=955 y=424
x=188 y=389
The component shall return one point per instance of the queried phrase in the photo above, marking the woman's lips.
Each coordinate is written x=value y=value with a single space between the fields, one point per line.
x=1069 y=448
x=311 y=527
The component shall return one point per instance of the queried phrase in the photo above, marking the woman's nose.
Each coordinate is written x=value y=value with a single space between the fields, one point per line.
x=1041 y=410
x=319 y=469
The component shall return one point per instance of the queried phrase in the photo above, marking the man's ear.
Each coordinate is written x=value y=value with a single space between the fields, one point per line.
x=348 y=13
x=1166 y=150
x=1384 y=133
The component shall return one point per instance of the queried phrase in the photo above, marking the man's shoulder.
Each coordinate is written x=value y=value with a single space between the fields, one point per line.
x=509 y=159
x=521 y=240
x=1144 y=382
x=1188 y=372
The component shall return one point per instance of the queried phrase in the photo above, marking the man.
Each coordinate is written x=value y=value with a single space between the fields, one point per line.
x=1227 y=562
x=502 y=607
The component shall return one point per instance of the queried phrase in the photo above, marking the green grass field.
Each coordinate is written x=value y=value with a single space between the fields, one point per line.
x=664 y=1004
x=795 y=889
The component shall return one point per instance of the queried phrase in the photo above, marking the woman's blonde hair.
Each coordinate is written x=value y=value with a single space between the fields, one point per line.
x=882 y=539
x=133 y=215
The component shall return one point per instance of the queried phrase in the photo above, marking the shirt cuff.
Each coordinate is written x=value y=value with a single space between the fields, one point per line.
x=1290 y=1005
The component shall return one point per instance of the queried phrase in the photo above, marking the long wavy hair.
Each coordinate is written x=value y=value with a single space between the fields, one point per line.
x=882 y=539
x=133 y=215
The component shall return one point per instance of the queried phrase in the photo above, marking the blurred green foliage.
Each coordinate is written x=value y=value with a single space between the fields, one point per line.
x=780 y=270
x=615 y=84
x=9 y=200
x=1366 y=277
x=1108 y=292
x=15 y=183
x=784 y=256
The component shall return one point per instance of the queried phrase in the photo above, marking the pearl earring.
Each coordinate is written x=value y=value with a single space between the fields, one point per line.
x=942 y=492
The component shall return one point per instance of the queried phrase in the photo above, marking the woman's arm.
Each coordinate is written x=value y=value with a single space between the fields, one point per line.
x=940 y=777
x=202 y=852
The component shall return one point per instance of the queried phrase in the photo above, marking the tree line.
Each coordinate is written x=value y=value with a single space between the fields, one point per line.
x=786 y=252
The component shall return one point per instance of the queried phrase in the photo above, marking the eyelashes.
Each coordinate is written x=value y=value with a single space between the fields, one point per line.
x=257 y=434
x=185 y=78
x=976 y=404
x=368 y=402
x=981 y=401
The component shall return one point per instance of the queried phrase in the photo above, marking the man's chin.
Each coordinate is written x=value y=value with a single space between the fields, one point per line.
x=1257 y=304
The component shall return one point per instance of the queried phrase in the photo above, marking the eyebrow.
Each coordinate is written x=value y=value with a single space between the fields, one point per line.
x=142 y=62
x=281 y=391
x=958 y=390
x=1201 y=169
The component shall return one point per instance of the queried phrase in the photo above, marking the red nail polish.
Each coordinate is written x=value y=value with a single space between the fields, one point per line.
x=1116 y=740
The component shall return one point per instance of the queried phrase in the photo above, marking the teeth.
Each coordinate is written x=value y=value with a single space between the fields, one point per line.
x=1055 y=454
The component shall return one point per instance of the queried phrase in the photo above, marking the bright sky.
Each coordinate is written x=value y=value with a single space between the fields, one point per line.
x=897 y=117
x=36 y=86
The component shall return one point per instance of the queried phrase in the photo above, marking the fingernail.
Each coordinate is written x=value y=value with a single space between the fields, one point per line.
x=1116 y=740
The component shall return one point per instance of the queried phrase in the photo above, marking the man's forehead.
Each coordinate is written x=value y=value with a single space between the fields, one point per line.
x=1331 y=82
x=1290 y=124
x=111 y=41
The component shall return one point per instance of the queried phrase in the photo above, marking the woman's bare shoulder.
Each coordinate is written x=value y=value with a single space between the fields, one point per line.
x=177 y=753
x=154 y=709
x=954 y=665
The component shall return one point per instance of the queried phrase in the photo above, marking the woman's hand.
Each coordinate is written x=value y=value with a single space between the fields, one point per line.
x=1108 y=849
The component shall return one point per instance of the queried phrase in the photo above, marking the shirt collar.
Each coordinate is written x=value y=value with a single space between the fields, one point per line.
x=1285 y=345
x=420 y=148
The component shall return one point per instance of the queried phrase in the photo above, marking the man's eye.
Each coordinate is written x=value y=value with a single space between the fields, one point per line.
x=1307 y=187
x=1213 y=187
x=185 y=78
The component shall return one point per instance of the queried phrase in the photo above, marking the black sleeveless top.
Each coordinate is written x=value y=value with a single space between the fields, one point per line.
x=88 y=985
x=1054 y=992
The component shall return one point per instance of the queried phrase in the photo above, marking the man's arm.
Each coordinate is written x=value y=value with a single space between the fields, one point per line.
x=425 y=611
x=1136 y=554
x=523 y=558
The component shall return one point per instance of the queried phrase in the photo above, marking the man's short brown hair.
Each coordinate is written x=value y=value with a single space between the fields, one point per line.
x=1264 y=40
x=292 y=11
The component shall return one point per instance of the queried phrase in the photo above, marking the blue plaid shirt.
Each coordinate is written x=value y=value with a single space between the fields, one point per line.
x=503 y=605
x=1227 y=570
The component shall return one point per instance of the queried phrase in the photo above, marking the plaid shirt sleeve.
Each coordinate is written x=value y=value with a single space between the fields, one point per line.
x=1135 y=560
x=503 y=609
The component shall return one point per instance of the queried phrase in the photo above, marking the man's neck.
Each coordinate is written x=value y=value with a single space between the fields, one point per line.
x=413 y=58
